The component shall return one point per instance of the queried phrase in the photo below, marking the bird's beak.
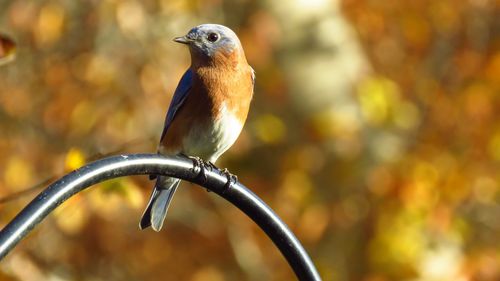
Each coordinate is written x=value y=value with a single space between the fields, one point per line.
x=183 y=40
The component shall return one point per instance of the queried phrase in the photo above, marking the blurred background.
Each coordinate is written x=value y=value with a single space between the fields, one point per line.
x=374 y=133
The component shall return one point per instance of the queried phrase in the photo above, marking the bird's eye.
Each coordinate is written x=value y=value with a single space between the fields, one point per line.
x=212 y=37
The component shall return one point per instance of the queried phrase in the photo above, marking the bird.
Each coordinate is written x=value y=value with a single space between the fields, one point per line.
x=207 y=111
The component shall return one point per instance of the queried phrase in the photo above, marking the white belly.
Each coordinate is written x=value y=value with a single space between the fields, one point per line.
x=209 y=142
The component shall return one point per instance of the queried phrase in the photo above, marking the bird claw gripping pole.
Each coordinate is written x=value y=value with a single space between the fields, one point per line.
x=231 y=179
x=200 y=166
x=172 y=166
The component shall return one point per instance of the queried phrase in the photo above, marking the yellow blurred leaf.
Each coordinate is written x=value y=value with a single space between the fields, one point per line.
x=296 y=186
x=270 y=129
x=111 y=195
x=133 y=194
x=377 y=95
x=72 y=216
x=334 y=123
x=399 y=241
x=74 y=159
x=50 y=24
x=426 y=173
x=83 y=117
x=18 y=173
x=406 y=115
x=126 y=189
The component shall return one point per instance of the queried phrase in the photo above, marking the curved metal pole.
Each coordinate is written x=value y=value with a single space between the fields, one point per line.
x=175 y=166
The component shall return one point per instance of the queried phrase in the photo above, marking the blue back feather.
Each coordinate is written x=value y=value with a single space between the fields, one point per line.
x=178 y=99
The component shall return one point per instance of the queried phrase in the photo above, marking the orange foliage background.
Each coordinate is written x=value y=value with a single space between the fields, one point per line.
x=374 y=133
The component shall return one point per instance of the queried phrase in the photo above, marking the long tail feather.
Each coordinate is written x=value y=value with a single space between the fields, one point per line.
x=158 y=204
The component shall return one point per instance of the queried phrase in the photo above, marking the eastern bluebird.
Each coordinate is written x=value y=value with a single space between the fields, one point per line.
x=208 y=109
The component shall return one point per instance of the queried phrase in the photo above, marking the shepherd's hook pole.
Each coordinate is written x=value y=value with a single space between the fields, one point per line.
x=154 y=164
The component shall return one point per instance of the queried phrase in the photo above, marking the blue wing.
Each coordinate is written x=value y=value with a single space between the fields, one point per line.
x=178 y=99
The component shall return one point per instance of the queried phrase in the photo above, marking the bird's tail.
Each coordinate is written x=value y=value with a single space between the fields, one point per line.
x=156 y=211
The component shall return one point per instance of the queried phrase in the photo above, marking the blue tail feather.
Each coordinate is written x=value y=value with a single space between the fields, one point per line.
x=158 y=204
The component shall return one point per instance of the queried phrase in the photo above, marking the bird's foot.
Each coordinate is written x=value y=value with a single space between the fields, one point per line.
x=230 y=179
x=202 y=167
x=199 y=166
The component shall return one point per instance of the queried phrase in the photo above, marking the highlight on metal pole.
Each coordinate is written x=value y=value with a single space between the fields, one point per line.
x=154 y=164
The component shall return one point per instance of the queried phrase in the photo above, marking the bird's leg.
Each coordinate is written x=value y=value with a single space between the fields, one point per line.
x=198 y=163
x=230 y=179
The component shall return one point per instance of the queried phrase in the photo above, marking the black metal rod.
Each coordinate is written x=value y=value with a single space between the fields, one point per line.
x=175 y=166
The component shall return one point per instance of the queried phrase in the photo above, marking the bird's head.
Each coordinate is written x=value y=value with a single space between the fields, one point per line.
x=211 y=42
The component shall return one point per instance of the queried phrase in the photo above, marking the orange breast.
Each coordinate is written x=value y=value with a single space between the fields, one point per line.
x=232 y=87
x=215 y=85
